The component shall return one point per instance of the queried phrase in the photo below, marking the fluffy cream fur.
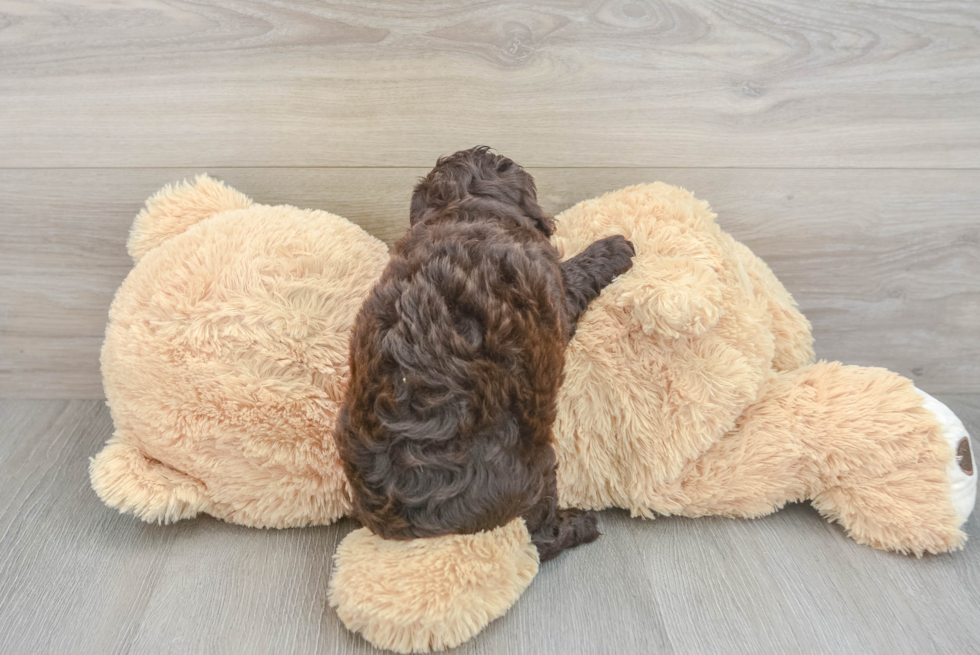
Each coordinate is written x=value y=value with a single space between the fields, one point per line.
x=731 y=419
x=225 y=360
x=856 y=441
x=430 y=594
x=690 y=389
x=175 y=207
x=669 y=356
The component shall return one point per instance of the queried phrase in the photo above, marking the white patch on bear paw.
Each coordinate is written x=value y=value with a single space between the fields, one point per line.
x=962 y=471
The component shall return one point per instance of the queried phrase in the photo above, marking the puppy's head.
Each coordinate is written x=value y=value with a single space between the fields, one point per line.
x=478 y=173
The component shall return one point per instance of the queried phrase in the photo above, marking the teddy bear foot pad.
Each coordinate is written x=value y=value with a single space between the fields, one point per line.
x=962 y=470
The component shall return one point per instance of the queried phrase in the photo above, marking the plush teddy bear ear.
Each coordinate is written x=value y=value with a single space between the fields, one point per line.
x=429 y=594
x=176 y=207
x=128 y=480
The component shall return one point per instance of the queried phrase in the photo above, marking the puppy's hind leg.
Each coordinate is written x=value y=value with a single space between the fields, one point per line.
x=553 y=530
x=589 y=272
x=571 y=527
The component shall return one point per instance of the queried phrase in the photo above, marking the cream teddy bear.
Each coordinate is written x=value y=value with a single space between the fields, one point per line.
x=689 y=389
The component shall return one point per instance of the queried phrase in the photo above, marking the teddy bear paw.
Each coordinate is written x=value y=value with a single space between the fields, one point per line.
x=962 y=470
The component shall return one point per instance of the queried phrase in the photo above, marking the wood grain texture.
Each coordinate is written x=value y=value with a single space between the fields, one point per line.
x=886 y=264
x=76 y=577
x=766 y=83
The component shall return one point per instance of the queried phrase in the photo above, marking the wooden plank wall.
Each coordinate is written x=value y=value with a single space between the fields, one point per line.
x=840 y=141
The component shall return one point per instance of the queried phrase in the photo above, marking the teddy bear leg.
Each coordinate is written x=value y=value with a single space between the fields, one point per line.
x=175 y=208
x=429 y=594
x=753 y=470
x=961 y=471
x=858 y=442
x=131 y=482
x=885 y=460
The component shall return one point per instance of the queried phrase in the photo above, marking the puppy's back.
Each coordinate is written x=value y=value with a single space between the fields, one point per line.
x=456 y=360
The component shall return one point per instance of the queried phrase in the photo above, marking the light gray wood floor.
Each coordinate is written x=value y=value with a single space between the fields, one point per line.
x=76 y=577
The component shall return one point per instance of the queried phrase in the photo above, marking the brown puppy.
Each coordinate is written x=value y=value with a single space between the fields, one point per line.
x=456 y=360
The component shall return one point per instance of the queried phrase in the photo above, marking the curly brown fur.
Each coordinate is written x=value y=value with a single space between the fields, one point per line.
x=456 y=360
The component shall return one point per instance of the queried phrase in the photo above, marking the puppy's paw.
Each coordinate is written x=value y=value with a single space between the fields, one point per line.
x=584 y=524
x=567 y=528
x=619 y=253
